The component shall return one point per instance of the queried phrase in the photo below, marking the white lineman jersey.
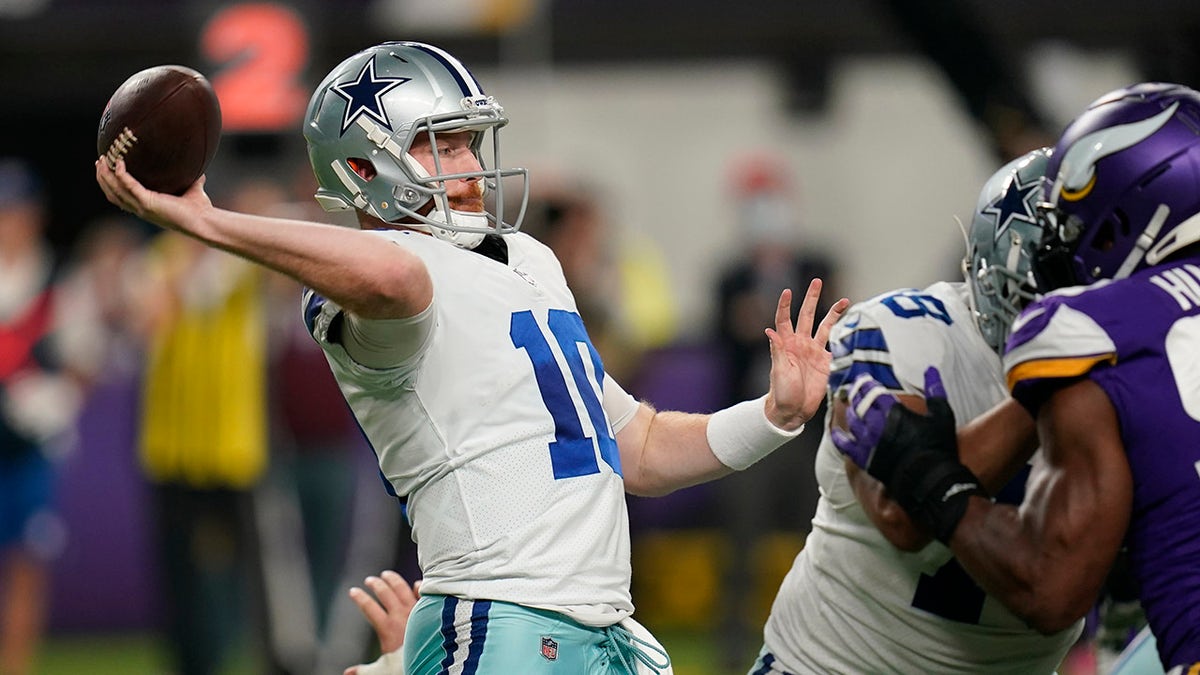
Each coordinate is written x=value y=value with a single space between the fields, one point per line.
x=496 y=436
x=852 y=603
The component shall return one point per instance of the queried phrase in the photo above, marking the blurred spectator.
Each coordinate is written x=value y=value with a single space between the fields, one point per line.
x=99 y=287
x=204 y=444
x=322 y=464
x=99 y=581
x=621 y=290
x=328 y=523
x=323 y=468
x=773 y=257
x=315 y=441
x=779 y=493
x=41 y=388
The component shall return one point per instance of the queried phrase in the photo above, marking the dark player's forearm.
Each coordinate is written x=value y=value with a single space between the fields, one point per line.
x=996 y=546
x=996 y=445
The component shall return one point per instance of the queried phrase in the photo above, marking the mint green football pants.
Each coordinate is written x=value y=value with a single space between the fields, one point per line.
x=453 y=636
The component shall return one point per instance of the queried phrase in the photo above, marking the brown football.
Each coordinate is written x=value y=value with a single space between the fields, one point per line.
x=165 y=122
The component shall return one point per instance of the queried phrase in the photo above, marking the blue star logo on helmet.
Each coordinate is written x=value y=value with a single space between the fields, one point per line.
x=1019 y=202
x=364 y=95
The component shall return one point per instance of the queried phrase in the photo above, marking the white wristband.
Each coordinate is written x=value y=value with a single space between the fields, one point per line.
x=741 y=434
x=390 y=663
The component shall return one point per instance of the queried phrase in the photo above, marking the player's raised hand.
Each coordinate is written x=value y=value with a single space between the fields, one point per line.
x=799 y=360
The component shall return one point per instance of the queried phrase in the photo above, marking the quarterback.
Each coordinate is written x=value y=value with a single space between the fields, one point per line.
x=458 y=346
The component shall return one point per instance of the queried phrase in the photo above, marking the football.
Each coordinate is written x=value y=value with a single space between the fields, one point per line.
x=165 y=122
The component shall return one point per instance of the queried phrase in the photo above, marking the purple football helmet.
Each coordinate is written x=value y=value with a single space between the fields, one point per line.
x=1123 y=186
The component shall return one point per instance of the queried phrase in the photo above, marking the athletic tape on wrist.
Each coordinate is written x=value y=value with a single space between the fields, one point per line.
x=741 y=434
x=948 y=508
x=390 y=663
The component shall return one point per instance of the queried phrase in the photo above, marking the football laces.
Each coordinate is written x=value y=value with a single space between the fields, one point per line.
x=119 y=146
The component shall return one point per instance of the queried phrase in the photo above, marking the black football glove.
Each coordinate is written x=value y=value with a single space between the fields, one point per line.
x=915 y=456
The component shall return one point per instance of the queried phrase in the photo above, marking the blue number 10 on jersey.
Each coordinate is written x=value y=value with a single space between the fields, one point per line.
x=572 y=453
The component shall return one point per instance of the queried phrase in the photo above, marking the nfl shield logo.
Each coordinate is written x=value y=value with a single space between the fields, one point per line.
x=549 y=648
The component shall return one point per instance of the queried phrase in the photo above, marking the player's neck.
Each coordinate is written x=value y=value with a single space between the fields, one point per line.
x=493 y=246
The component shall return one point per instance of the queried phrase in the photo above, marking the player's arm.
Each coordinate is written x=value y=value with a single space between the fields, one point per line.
x=666 y=451
x=1047 y=559
x=994 y=446
x=997 y=444
x=353 y=268
x=663 y=451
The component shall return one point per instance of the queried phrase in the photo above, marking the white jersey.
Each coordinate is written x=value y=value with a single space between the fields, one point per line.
x=496 y=436
x=852 y=603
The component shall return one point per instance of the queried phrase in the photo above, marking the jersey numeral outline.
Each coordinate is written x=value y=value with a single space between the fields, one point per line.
x=1180 y=347
x=950 y=592
x=572 y=452
x=908 y=305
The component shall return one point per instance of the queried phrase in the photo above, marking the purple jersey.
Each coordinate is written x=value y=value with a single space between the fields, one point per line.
x=1139 y=339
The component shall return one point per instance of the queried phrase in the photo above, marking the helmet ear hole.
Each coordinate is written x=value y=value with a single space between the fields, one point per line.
x=1123 y=225
x=1106 y=234
x=363 y=167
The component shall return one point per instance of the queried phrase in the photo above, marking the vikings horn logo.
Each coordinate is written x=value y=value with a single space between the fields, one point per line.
x=1078 y=173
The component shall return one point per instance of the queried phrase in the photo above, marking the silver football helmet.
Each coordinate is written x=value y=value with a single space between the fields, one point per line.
x=371 y=107
x=1002 y=240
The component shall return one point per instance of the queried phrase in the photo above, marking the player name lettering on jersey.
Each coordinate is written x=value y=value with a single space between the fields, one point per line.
x=1182 y=283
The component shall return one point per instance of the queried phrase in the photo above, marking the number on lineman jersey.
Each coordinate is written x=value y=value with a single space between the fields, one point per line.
x=572 y=452
x=949 y=593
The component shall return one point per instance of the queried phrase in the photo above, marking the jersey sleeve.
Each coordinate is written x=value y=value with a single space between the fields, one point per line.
x=619 y=405
x=860 y=348
x=376 y=344
x=1052 y=344
x=388 y=343
x=881 y=339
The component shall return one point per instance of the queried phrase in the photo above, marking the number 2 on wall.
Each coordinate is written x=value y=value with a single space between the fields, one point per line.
x=572 y=452
x=261 y=49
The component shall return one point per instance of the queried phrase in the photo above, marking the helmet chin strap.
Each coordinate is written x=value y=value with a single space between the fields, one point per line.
x=467 y=240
